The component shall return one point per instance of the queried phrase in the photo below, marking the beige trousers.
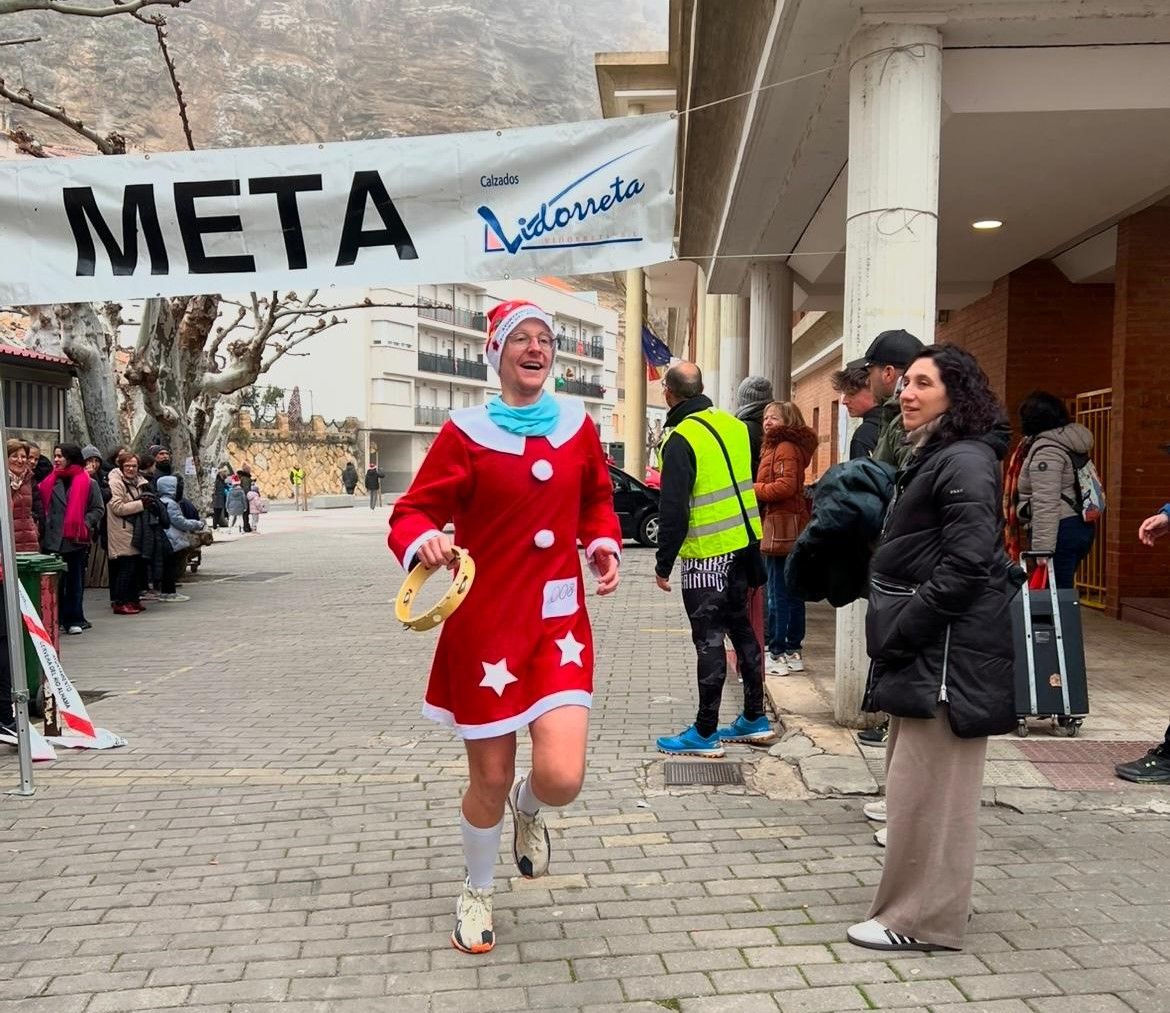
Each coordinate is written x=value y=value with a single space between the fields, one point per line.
x=934 y=783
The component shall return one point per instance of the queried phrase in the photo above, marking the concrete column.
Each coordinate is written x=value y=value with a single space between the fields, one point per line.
x=733 y=348
x=770 y=344
x=700 y=320
x=709 y=363
x=635 y=377
x=891 y=233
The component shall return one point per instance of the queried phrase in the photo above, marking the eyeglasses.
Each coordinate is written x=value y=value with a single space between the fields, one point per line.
x=545 y=341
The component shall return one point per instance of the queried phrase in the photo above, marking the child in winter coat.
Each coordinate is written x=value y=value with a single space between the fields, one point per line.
x=256 y=507
x=237 y=505
x=178 y=542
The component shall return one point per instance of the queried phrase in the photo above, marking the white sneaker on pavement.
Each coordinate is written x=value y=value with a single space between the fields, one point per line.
x=794 y=661
x=873 y=935
x=174 y=596
x=875 y=811
x=473 y=920
x=530 y=843
x=777 y=665
x=879 y=837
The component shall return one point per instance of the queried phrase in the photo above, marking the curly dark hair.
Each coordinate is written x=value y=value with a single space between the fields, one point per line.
x=974 y=410
x=1041 y=411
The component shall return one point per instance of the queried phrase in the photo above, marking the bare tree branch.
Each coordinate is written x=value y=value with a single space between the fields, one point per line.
x=81 y=9
x=19 y=42
x=112 y=144
x=27 y=144
x=166 y=52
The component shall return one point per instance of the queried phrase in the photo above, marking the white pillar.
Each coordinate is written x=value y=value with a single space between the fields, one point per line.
x=635 y=368
x=709 y=363
x=891 y=233
x=770 y=345
x=733 y=348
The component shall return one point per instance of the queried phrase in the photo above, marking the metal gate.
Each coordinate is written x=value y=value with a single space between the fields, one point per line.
x=1094 y=411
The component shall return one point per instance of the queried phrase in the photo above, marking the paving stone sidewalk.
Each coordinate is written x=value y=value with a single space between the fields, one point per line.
x=282 y=830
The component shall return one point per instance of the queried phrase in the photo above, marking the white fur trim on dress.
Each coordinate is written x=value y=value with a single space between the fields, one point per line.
x=477 y=426
x=413 y=547
x=602 y=543
x=566 y=698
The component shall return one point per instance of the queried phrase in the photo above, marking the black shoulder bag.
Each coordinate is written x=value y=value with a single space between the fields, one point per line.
x=757 y=575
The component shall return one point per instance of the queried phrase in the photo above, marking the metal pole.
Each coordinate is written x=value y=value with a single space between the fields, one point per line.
x=15 y=625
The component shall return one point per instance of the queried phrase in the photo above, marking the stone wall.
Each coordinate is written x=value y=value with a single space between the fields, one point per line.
x=320 y=448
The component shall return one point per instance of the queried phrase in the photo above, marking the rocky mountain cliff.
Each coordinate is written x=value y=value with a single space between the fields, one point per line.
x=286 y=71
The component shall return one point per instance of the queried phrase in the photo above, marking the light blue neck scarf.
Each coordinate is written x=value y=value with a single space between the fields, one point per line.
x=538 y=419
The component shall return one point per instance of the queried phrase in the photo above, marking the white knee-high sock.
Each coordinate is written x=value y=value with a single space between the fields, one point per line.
x=526 y=800
x=481 y=847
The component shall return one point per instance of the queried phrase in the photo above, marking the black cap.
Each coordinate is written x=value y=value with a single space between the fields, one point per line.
x=890 y=348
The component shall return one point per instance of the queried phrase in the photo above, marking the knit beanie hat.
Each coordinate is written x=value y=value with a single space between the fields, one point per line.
x=754 y=391
x=89 y=450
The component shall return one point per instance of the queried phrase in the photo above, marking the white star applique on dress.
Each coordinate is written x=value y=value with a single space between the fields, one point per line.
x=570 y=650
x=496 y=676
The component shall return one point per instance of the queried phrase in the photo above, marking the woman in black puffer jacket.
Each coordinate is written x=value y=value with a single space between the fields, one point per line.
x=939 y=632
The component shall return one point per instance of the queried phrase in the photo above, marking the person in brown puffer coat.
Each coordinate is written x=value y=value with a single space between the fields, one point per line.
x=788 y=448
x=26 y=509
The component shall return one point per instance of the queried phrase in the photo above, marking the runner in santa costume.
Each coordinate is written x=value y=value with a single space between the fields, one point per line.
x=523 y=478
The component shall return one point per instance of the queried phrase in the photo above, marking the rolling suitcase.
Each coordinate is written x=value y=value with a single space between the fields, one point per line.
x=1050 y=657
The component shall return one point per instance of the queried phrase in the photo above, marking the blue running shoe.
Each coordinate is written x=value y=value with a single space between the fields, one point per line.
x=756 y=733
x=691 y=743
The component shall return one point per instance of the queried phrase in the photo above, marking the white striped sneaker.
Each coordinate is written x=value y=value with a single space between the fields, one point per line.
x=873 y=935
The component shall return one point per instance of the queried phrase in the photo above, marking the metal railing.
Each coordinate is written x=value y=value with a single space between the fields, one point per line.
x=581 y=388
x=1094 y=411
x=429 y=415
x=579 y=346
x=448 y=365
x=470 y=319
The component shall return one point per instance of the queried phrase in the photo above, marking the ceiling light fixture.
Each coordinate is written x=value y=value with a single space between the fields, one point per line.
x=987 y=224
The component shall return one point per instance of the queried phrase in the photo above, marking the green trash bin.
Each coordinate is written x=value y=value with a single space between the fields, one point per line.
x=38 y=572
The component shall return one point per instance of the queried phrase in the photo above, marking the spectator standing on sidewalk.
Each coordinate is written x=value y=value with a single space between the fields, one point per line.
x=237 y=505
x=1154 y=767
x=40 y=466
x=938 y=630
x=256 y=506
x=128 y=490
x=244 y=474
x=859 y=402
x=789 y=446
x=708 y=516
x=752 y=397
x=296 y=478
x=374 y=476
x=73 y=510
x=349 y=478
x=219 y=497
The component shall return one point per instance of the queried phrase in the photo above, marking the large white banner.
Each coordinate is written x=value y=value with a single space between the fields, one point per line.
x=559 y=200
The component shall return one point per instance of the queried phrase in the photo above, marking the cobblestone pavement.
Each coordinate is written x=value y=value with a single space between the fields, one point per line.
x=282 y=829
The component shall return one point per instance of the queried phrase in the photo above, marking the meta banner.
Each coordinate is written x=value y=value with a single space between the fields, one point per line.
x=567 y=199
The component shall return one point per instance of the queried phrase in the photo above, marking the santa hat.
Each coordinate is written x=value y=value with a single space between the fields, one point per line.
x=504 y=319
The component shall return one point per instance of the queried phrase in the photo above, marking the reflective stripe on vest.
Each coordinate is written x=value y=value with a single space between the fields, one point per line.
x=716 y=522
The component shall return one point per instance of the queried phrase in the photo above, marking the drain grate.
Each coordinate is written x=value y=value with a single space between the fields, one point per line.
x=703 y=773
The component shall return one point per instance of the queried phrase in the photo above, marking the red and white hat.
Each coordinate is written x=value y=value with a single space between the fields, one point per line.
x=502 y=321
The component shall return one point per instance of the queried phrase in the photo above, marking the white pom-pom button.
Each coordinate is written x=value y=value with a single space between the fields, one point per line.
x=542 y=469
x=544 y=538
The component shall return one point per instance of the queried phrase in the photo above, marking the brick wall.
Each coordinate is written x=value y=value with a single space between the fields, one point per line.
x=1139 y=478
x=982 y=329
x=814 y=395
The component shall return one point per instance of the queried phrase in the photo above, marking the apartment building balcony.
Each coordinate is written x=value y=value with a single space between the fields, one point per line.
x=448 y=365
x=581 y=388
x=470 y=319
x=581 y=347
x=429 y=415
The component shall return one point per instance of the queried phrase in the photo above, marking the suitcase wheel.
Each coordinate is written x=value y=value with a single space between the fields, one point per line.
x=1070 y=725
x=1022 y=729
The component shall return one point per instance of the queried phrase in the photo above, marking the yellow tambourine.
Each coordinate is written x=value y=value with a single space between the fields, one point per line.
x=460 y=585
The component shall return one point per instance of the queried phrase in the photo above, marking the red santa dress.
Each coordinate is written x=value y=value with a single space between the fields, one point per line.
x=520 y=644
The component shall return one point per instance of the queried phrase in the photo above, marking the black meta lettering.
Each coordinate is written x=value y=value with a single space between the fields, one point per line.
x=368 y=185
x=286 y=189
x=137 y=206
x=193 y=228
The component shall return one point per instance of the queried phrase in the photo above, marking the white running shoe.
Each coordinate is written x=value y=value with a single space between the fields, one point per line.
x=879 y=837
x=473 y=920
x=794 y=661
x=777 y=665
x=875 y=811
x=873 y=935
x=530 y=843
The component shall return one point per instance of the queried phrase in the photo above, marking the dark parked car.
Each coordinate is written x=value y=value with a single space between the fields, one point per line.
x=636 y=506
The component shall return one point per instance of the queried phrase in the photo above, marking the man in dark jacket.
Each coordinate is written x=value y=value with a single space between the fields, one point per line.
x=706 y=492
x=885 y=361
x=751 y=399
x=858 y=399
x=374 y=476
x=1154 y=767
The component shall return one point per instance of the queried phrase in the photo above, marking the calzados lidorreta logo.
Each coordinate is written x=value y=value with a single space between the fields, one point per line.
x=546 y=227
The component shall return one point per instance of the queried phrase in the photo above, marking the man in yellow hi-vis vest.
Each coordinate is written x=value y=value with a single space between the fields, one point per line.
x=708 y=516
